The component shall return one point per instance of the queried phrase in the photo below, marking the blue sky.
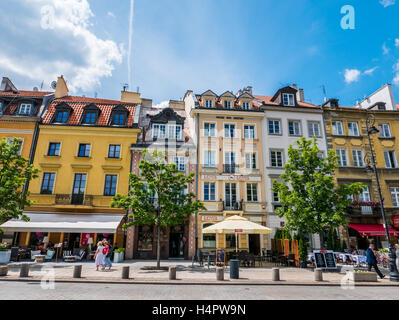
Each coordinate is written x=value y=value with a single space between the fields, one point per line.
x=203 y=44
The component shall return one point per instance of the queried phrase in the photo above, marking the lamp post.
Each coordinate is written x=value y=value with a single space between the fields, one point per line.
x=371 y=129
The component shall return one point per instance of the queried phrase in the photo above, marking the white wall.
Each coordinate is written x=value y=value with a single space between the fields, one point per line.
x=385 y=94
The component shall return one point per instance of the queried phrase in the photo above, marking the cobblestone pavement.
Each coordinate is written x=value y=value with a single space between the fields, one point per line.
x=90 y=291
x=185 y=271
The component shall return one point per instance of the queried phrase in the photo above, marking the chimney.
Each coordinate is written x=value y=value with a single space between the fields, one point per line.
x=130 y=97
x=294 y=86
x=61 y=90
x=300 y=95
x=7 y=85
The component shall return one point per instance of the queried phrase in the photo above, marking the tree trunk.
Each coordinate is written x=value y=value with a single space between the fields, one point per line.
x=158 y=240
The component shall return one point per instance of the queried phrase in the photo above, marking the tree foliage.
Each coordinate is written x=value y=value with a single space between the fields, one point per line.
x=15 y=171
x=310 y=199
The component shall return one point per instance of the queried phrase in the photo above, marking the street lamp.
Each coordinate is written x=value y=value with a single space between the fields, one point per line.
x=371 y=129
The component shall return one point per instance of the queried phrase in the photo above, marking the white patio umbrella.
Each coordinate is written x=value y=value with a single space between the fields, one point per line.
x=236 y=225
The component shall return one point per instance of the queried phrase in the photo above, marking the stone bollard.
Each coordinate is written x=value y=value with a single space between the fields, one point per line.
x=3 y=271
x=24 y=273
x=318 y=275
x=125 y=272
x=77 y=271
x=172 y=273
x=220 y=274
x=275 y=274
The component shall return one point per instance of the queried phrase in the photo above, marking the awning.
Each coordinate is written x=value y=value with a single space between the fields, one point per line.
x=373 y=230
x=65 y=222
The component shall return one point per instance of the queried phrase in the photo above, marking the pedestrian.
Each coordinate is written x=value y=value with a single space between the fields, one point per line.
x=397 y=255
x=372 y=260
x=99 y=256
x=108 y=254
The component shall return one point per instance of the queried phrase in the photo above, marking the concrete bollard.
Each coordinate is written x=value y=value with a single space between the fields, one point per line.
x=24 y=273
x=318 y=275
x=125 y=272
x=220 y=274
x=77 y=271
x=172 y=273
x=275 y=274
x=3 y=271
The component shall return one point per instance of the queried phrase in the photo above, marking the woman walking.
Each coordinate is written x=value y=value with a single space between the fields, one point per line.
x=107 y=255
x=99 y=256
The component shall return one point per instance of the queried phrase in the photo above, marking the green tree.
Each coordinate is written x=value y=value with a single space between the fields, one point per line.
x=311 y=202
x=156 y=196
x=302 y=250
x=15 y=171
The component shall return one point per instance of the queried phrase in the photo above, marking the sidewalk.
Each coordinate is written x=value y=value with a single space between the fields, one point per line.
x=186 y=274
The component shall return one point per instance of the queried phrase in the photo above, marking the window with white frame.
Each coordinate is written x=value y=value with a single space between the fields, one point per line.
x=227 y=104
x=390 y=159
x=25 y=109
x=209 y=159
x=208 y=103
x=159 y=131
x=358 y=158
x=252 y=192
x=337 y=128
x=249 y=132
x=245 y=105
x=294 y=128
x=274 y=127
x=385 y=131
x=353 y=129
x=209 y=191
x=174 y=131
x=250 y=160
x=365 y=195
x=209 y=130
x=288 y=99
x=314 y=129
x=342 y=158
x=276 y=198
x=395 y=197
x=276 y=159
x=229 y=130
x=180 y=163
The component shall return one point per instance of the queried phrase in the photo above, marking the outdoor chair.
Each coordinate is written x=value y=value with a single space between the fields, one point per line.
x=49 y=255
x=283 y=261
x=81 y=255
x=34 y=253
x=251 y=260
x=291 y=260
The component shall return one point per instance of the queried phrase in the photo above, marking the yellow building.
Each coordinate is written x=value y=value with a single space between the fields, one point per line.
x=227 y=131
x=347 y=136
x=83 y=152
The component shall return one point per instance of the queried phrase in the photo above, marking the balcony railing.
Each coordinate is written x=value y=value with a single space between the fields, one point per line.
x=77 y=199
x=230 y=168
x=232 y=206
x=74 y=199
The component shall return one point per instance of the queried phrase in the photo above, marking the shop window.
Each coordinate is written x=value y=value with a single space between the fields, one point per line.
x=208 y=240
x=145 y=238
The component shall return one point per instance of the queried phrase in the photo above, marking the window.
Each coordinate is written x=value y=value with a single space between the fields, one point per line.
x=89 y=118
x=337 y=128
x=314 y=129
x=252 y=192
x=119 y=119
x=209 y=159
x=227 y=104
x=208 y=240
x=365 y=195
x=159 y=131
x=230 y=190
x=54 y=149
x=62 y=117
x=294 y=128
x=249 y=132
x=342 y=159
x=288 y=99
x=385 y=131
x=110 y=185
x=245 y=105
x=395 y=197
x=276 y=159
x=84 y=150
x=390 y=159
x=174 y=131
x=230 y=162
x=358 y=158
x=48 y=183
x=209 y=130
x=180 y=162
x=208 y=103
x=209 y=191
x=250 y=160
x=353 y=129
x=275 y=196
x=229 y=130
x=79 y=186
x=274 y=127
x=231 y=241
x=145 y=238
x=25 y=109
x=114 y=151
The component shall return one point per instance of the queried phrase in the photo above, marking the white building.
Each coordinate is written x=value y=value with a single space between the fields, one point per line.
x=287 y=117
x=382 y=99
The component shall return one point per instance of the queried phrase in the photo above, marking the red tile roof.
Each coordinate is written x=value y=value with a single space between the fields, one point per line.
x=78 y=103
x=24 y=94
x=267 y=100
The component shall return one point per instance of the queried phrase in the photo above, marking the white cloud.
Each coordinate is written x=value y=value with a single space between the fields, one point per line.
x=48 y=38
x=387 y=3
x=385 y=49
x=370 y=71
x=396 y=42
x=352 y=75
x=396 y=69
x=162 y=105
x=111 y=14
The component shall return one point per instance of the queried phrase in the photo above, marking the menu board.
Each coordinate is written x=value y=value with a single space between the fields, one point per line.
x=324 y=259
x=220 y=257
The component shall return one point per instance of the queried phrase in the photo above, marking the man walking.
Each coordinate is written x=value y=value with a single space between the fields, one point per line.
x=372 y=260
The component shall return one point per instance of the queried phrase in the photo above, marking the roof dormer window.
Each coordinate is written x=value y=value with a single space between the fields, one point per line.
x=208 y=103
x=90 y=118
x=288 y=99
x=227 y=104
x=90 y=114
x=25 y=109
x=62 y=117
x=119 y=116
x=62 y=113
x=245 y=105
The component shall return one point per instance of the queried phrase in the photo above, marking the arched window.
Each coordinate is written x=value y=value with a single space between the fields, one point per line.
x=208 y=240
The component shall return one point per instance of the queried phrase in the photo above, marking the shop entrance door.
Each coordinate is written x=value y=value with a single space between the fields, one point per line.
x=254 y=244
x=176 y=242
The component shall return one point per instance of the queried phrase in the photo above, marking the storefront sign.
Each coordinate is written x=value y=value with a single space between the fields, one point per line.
x=238 y=230
x=395 y=221
x=324 y=259
x=212 y=218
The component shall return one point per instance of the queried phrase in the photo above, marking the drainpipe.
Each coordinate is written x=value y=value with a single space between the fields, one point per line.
x=196 y=187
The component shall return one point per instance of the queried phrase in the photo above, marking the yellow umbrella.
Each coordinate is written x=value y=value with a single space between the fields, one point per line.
x=235 y=225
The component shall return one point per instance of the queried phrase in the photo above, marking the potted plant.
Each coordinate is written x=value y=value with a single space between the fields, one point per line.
x=5 y=253
x=303 y=253
x=119 y=255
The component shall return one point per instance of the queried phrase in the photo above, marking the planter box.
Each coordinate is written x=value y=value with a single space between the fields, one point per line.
x=363 y=277
x=5 y=257
x=3 y=271
x=119 y=257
